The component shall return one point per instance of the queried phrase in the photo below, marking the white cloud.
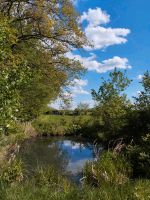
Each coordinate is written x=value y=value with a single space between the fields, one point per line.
x=56 y=104
x=75 y=2
x=77 y=87
x=80 y=82
x=101 y=37
x=92 y=64
x=95 y=17
x=75 y=145
x=139 y=77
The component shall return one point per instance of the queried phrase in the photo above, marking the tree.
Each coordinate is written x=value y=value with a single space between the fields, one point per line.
x=14 y=73
x=82 y=108
x=43 y=32
x=143 y=100
x=46 y=29
x=113 y=87
x=112 y=104
x=139 y=118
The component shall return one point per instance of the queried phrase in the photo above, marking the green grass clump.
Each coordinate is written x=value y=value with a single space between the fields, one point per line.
x=45 y=184
x=11 y=172
x=109 y=168
x=142 y=189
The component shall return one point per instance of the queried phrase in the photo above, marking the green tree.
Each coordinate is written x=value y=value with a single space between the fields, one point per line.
x=139 y=117
x=143 y=100
x=112 y=105
x=46 y=31
x=82 y=108
x=14 y=73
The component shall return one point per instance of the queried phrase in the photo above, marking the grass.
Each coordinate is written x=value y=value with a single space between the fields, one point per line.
x=17 y=134
x=60 y=124
x=108 y=178
x=47 y=184
x=109 y=168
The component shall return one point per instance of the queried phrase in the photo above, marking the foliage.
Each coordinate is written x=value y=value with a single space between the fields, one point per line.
x=29 y=32
x=14 y=74
x=47 y=184
x=82 y=108
x=11 y=81
x=114 y=86
x=60 y=124
x=142 y=191
x=139 y=155
x=109 y=168
x=112 y=105
x=141 y=117
x=11 y=173
x=143 y=100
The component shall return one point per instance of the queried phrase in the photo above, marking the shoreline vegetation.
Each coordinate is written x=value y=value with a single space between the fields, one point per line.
x=35 y=37
x=110 y=173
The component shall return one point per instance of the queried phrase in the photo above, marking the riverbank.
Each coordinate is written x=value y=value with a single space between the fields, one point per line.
x=47 y=184
x=86 y=126
x=107 y=178
x=10 y=144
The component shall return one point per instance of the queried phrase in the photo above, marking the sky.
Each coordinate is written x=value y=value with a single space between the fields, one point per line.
x=119 y=31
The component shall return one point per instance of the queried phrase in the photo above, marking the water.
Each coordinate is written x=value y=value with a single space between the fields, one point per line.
x=66 y=155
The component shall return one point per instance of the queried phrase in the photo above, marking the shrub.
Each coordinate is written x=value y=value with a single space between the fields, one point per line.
x=139 y=156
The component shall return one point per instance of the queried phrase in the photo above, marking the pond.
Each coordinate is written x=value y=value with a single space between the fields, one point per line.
x=66 y=155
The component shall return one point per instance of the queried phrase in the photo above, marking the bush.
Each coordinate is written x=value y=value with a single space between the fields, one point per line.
x=139 y=156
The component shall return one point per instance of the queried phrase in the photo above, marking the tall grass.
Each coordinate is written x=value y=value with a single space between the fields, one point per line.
x=47 y=184
x=109 y=168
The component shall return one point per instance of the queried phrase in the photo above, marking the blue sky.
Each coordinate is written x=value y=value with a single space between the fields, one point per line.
x=119 y=31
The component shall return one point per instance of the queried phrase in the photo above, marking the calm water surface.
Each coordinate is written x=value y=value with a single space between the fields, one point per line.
x=66 y=155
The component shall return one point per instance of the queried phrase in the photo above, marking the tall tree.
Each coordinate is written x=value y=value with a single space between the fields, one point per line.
x=46 y=31
x=112 y=104
x=143 y=100
x=14 y=74
x=34 y=39
x=139 y=119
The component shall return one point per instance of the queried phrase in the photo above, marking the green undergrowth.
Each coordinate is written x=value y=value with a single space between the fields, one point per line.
x=47 y=184
x=60 y=124
x=109 y=168
x=17 y=133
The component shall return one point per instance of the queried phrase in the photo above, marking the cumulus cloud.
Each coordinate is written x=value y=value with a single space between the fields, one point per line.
x=77 y=87
x=139 y=77
x=92 y=64
x=95 y=17
x=99 y=36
